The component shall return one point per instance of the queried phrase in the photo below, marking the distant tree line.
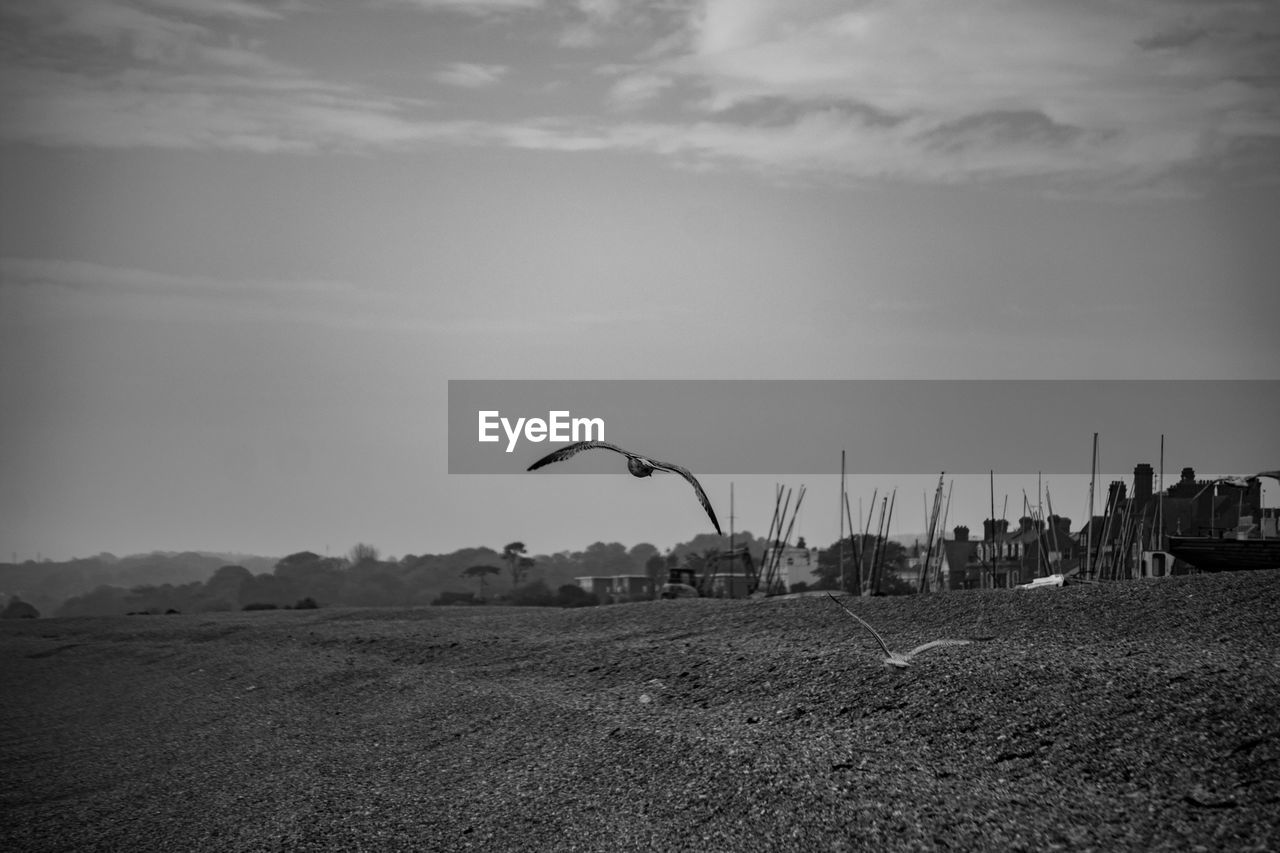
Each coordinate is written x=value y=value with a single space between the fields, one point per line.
x=362 y=578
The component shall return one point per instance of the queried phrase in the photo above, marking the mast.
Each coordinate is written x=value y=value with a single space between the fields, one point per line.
x=992 y=551
x=862 y=546
x=855 y=546
x=840 y=511
x=1088 y=529
x=1053 y=528
x=1160 y=502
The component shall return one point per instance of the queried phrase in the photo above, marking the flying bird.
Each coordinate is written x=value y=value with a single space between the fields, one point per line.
x=893 y=658
x=638 y=465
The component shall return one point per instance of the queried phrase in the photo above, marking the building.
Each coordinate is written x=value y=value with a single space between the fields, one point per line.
x=794 y=565
x=615 y=588
x=1130 y=538
x=722 y=574
x=1006 y=558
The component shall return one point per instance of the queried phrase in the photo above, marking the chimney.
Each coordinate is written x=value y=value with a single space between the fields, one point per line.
x=1003 y=526
x=1025 y=523
x=962 y=534
x=1143 y=477
x=1115 y=494
x=1188 y=475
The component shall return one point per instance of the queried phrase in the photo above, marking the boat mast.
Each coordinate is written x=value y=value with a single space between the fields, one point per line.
x=1088 y=525
x=1160 y=501
x=992 y=552
x=840 y=510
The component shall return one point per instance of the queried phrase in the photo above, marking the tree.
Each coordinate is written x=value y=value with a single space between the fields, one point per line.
x=519 y=567
x=608 y=559
x=19 y=609
x=361 y=552
x=480 y=572
x=656 y=568
x=572 y=595
x=533 y=594
x=307 y=573
x=642 y=553
x=226 y=583
x=371 y=583
x=263 y=588
x=891 y=555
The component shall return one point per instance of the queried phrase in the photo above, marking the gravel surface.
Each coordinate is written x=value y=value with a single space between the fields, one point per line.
x=1139 y=715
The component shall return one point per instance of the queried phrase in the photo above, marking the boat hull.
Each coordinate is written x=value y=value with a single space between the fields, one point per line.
x=1226 y=555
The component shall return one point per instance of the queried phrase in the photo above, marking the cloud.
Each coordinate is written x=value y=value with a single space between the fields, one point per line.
x=471 y=75
x=995 y=86
x=317 y=302
x=148 y=108
x=89 y=277
x=119 y=74
x=1137 y=94
x=638 y=89
x=478 y=8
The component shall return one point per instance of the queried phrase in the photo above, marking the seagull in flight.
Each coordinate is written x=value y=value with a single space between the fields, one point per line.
x=898 y=659
x=638 y=465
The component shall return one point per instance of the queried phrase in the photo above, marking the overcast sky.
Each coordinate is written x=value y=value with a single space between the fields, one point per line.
x=244 y=245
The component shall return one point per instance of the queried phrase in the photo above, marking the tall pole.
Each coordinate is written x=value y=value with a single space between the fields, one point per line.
x=840 y=510
x=1088 y=530
x=731 y=517
x=884 y=542
x=992 y=552
x=856 y=546
x=1160 y=501
x=869 y=574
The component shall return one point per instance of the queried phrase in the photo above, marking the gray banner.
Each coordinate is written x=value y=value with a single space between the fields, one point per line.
x=799 y=427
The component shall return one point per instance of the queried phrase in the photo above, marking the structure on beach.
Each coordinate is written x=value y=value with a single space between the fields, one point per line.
x=1128 y=539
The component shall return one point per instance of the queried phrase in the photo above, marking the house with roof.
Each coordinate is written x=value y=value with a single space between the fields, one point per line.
x=616 y=588
x=1131 y=536
x=1005 y=558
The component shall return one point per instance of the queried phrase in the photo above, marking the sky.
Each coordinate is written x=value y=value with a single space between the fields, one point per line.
x=246 y=244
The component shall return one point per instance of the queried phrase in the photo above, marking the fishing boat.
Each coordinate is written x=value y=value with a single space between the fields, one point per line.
x=1224 y=555
x=1248 y=546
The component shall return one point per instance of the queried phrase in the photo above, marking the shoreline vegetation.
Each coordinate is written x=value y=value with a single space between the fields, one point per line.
x=1130 y=715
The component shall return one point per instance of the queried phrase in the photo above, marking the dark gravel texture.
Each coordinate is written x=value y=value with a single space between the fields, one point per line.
x=1124 y=716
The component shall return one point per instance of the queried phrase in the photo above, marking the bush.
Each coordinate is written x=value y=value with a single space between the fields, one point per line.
x=533 y=594
x=891 y=584
x=307 y=603
x=448 y=597
x=261 y=605
x=572 y=595
x=19 y=609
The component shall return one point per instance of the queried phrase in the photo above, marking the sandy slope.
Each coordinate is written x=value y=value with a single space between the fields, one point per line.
x=1127 y=716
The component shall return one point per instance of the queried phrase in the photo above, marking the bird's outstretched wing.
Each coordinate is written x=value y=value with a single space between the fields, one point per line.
x=697 y=488
x=933 y=645
x=577 y=447
x=573 y=450
x=879 y=639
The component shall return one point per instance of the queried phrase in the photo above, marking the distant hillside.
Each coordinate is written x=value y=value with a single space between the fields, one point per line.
x=47 y=584
x=192 y=581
